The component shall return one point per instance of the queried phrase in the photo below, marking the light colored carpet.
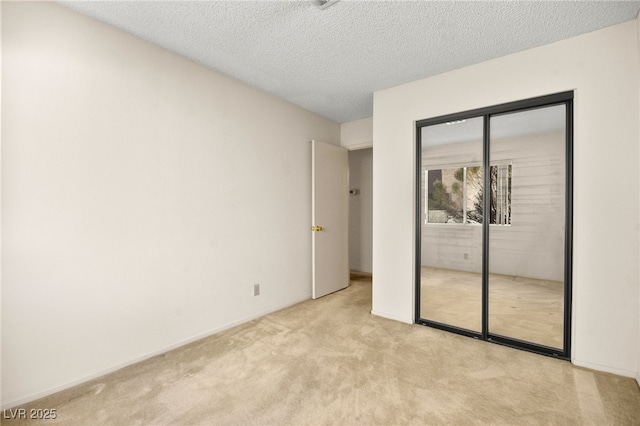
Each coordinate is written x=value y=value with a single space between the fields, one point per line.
x=330 y=362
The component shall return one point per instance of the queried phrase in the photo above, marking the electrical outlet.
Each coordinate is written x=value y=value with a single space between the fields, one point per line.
x=256 y=289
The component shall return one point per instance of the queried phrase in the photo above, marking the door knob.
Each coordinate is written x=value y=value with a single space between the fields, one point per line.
x=316 y=228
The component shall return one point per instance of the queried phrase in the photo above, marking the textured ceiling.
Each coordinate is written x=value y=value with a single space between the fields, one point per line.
x=331 y=61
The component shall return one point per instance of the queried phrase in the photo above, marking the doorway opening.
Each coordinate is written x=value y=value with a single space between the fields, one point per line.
x=361 y=213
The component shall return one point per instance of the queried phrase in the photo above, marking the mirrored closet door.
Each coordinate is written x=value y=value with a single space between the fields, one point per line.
x=451 y=230
x=527 y=225
x=493 y=238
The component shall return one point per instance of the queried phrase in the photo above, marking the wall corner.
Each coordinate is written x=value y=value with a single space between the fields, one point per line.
x=357 y=134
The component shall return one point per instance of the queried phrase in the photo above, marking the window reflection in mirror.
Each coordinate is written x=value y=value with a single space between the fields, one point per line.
x=455 y=195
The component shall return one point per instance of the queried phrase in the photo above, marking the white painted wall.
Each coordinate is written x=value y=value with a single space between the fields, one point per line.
x=603 y=69
x=142 y=197
x=357 y=134
x=361 y=209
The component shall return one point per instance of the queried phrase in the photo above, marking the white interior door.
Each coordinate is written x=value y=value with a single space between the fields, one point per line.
x=329 y=218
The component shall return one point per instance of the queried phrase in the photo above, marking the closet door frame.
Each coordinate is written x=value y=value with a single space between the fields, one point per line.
x=563 y=98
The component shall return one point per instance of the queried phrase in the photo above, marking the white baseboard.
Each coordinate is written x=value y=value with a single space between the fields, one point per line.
x=406 y=320
x=607 y=369
x=55 y=389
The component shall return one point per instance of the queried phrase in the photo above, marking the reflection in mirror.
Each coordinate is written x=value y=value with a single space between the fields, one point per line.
x=451 y=231
x=526 y=258
x=454 y=195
